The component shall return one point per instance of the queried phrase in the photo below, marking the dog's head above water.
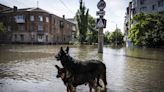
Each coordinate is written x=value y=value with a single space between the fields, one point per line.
x=61 y=73
x=62 y=53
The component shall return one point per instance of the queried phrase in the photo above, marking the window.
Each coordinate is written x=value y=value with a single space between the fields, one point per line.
x=160 y=3
x=153 y=7
x=142 y=2
x=22 y=37
x=40 y=18
x=9 y=28
x=32 y=18
x=40 y=23
x=40 y=26
x=32 y=26
x=40 y=38
x=46 y=38
x=61 y=24
x=21 y=27
x=47 y=19
x=19 y=17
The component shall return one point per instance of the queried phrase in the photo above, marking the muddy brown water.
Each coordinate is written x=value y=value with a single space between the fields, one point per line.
x=30 y=68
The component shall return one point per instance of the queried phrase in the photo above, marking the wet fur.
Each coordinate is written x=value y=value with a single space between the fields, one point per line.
x=72 y=81
x=95 y=68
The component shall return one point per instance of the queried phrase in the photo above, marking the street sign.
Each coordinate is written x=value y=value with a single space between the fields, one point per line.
x=100 y=23
x=100 y=13
x=101 y=4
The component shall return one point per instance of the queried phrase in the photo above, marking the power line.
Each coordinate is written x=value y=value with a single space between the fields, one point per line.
x=66 y=6
x=22 y=3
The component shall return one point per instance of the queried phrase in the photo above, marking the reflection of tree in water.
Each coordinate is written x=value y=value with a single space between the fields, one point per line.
x=145 y=54
x=87 y=53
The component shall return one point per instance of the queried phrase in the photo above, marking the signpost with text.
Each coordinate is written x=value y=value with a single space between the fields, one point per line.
x=100 y=24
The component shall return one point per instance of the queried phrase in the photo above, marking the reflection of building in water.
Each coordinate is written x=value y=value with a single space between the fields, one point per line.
x=138 y=6
x=34 y=25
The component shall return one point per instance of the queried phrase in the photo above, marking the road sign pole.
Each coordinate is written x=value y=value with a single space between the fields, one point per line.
x=100 y=40
x=100 y=24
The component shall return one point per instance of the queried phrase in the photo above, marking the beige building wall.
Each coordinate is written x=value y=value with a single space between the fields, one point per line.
x=25 y=27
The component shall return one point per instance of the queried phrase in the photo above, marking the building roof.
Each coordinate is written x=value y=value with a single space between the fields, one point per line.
x=4 y=8
x=33 y=9
x=72 y=20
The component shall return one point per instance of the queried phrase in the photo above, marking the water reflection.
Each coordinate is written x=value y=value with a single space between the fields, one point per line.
x=30 y=68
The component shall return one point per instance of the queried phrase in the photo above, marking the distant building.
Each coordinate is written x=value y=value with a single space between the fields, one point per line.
x=138 y=6
x=34 y=25
x=74 y=32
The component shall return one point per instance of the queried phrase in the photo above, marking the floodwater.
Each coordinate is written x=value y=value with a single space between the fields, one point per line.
x=30 y=68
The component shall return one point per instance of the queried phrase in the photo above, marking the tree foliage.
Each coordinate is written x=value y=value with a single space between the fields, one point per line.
x=92 y=34
x=107 y=37
x=116 y=37
x=82 y=20
x=148 y=30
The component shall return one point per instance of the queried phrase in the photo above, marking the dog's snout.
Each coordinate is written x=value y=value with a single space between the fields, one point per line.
x=57 y=76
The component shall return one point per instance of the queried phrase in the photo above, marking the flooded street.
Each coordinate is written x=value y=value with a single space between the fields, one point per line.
x=30 y=68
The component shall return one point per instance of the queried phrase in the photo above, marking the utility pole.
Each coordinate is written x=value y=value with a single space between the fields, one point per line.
x=100 y=23
x=116 y=34
x=100 y=40
x=37 y=3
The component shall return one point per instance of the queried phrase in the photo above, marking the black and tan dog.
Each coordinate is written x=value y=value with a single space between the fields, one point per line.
x=72 y=81
x=95 y=68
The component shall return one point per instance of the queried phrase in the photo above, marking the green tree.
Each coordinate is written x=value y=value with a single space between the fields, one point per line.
x=2 y=28
x=107 y=37
x=116 y=37
x=82 y=20
x=92 y=33
x=147 y=30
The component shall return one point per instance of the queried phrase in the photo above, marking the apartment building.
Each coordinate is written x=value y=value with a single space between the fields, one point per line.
x=35 y=25
x=138 y=6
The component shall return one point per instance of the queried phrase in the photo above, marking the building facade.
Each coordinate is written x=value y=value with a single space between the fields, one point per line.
x=138 y=6
x=35 y=25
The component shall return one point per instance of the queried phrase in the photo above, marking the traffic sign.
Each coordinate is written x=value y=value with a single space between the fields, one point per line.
x=100 y=23
x=100 y=13
x=101 y=4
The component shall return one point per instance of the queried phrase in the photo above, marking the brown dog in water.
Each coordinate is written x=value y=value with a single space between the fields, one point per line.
x=72 y=81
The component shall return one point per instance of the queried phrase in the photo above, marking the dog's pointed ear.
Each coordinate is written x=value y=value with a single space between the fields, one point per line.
x=67 y=50
x=57 y=67
x=61 y=49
